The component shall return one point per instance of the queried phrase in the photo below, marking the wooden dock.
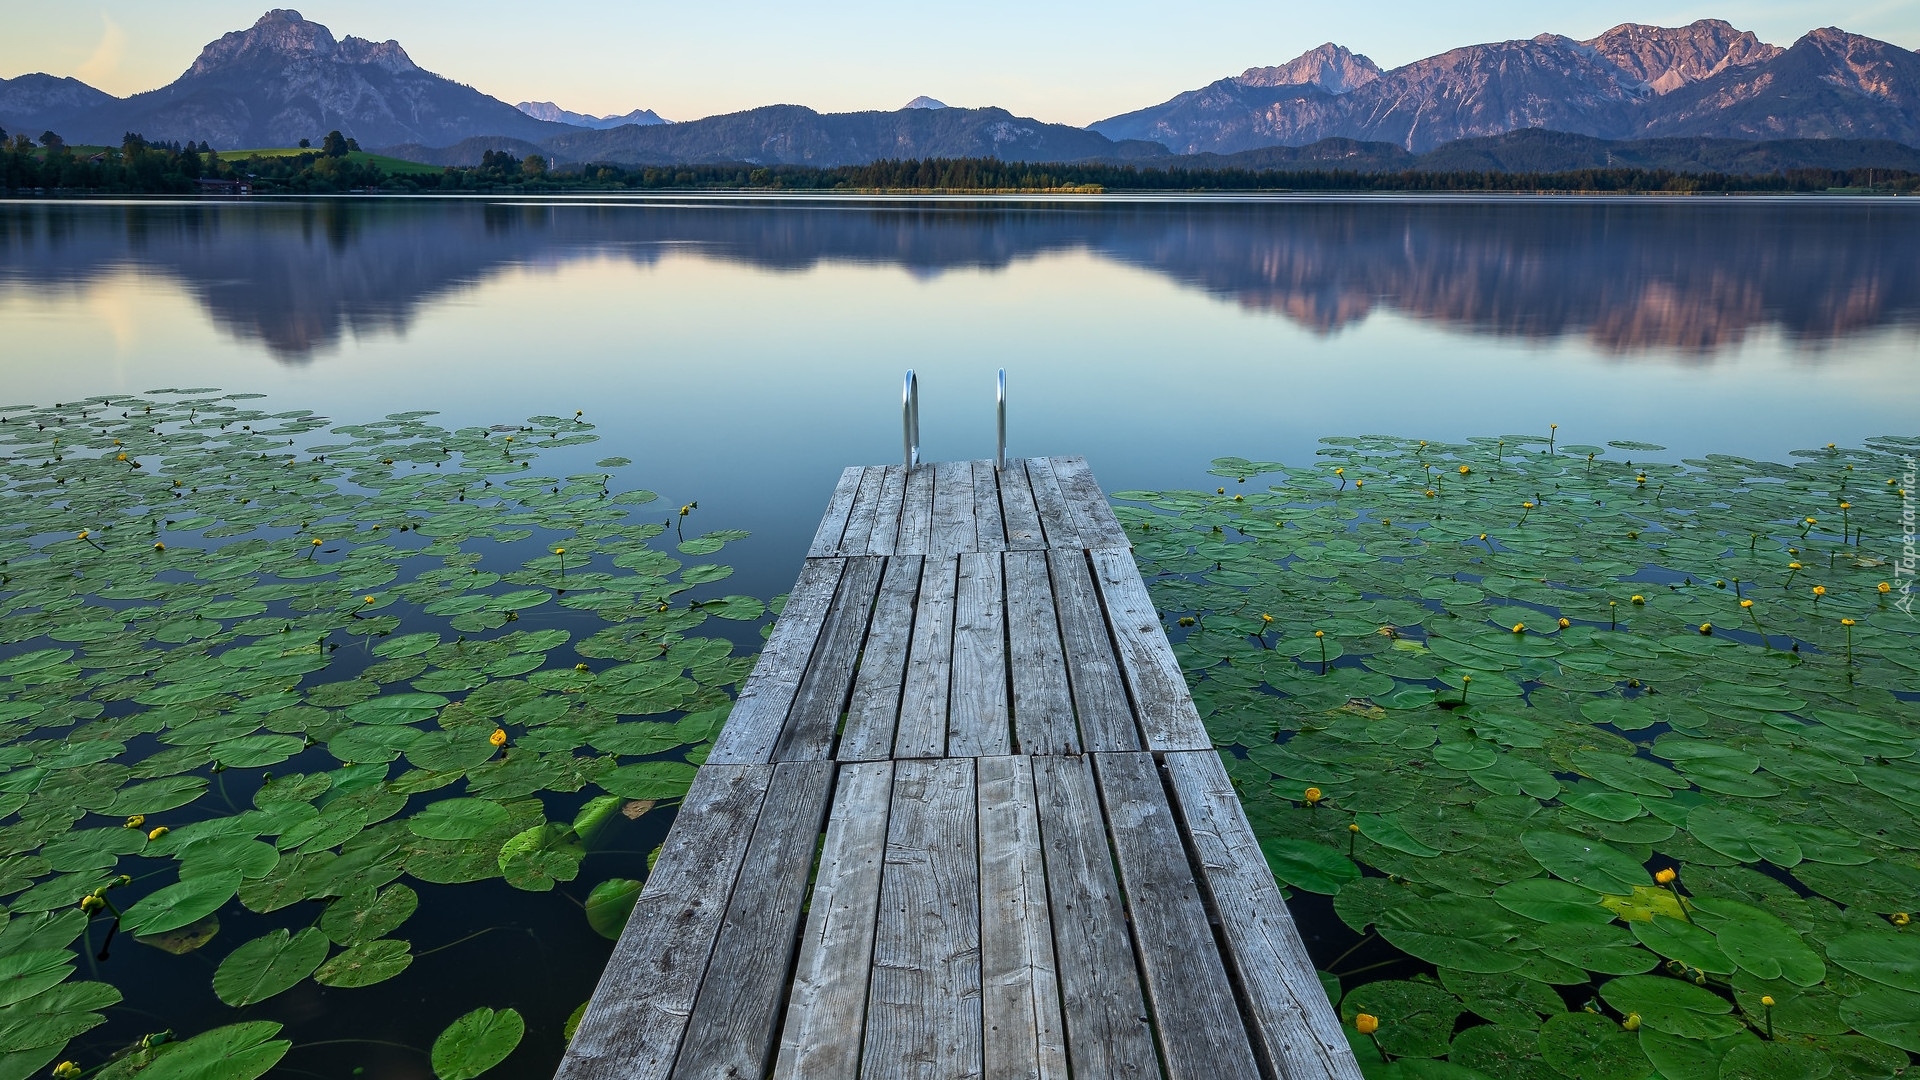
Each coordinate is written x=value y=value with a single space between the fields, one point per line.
x=963 y=821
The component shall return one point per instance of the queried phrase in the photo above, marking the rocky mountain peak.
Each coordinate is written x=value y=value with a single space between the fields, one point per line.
x=1668 y=58
x=924 y=102
x=1330 y=67
x=284 y=35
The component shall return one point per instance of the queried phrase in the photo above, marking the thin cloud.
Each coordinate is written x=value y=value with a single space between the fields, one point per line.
x=105 y=60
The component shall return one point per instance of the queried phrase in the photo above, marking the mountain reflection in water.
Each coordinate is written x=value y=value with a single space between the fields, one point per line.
x=1686 y=277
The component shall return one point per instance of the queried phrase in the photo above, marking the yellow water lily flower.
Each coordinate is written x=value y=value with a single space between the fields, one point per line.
x=1665 y=875
x=1366 y=1023
x=499 y=737
x=158 y=833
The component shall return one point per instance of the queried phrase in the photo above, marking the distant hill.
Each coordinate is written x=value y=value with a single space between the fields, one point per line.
x=283 y=80
x=796 y=135
x=547 y=110
x=35 y=103
x=1705 y=79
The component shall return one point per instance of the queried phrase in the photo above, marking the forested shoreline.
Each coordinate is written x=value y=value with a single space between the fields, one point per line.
x=50 y=167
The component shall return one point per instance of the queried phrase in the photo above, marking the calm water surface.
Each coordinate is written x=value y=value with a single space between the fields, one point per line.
x=743 y=351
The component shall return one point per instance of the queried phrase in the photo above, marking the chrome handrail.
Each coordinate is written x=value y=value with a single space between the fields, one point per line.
x=910 y=420
x=1000 y=412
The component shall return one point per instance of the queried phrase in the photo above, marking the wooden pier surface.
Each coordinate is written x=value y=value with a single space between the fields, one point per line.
x=963 y=821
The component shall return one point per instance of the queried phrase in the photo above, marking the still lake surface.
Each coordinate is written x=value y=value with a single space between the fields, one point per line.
x=743 y=350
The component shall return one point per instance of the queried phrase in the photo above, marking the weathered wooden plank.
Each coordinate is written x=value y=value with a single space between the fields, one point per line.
x=866 y=506
x=923 y=1013
x=1092 y=514
x=1294 y=1026
x=1020 y=990
x=916 y=514
x=1201 y=1033
x=953 y=528
x=1161 y=702
x=1017 y=509
x=886 y=512
x=977 y=714
x=827 y=1011
x=1106 y=1016
x=633 y=1027
x=826 y=538
x=873 y=711
x=923 y=701
x=1055 y=519
x=989 y=527
x=1042 y=702
x=1099 y=697
x=731 y=1031
x=760 y=712
x=814 y=720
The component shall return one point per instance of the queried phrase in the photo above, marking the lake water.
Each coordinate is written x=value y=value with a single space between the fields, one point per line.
x=743 y=350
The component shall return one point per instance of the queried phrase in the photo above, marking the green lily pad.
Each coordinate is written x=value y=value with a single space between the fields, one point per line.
x=609 y=905
x=476 y=1042
x=235 y=1052
x=267 y=965
x=1888 y=958
x=181 y=903
x=365 y=963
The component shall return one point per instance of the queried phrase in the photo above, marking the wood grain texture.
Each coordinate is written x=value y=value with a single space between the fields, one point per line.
x=827 y=1009
x=760 y=712
x=916 y=514
x=1020 y=989
x=731 y=1031
x=1092 y=514
x=1195 y=1015
x=923 y=700
x=632 y=1029
x=1294 y=1026
x=989 y=528
x=886 y=512
x=813 y=722
x=873 y=711
x=1042 y=701
x=953 y=529
x=866 y=506
x=1161 y=701
x=923 y=1013
x=1106 y=1016
x=977 y=710
x=826 y=538
x=1099 y=696
x=1055 y=519
x=1019 y=515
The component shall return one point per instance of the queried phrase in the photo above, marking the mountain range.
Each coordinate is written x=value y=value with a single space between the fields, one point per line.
x=287 y=78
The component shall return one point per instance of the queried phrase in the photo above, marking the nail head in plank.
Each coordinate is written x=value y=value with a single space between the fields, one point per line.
x=923 y=1013
x=1092 y=515
x=1020 y=990
x=1055 y=519
x=826 y=539
x=814 y=720
x=1099 y=697
x=886 y=513
x=1017 y=509
x=953 y=524
x=1106 y=1016
x=731 y=1031
x=1293 y=1021
x=916 y=515
x=1201 y=1033
x=633 y=1026
x=866 y=506
x=1042 y=702
x=977 y=718
x=1161 y=700
x=873 y=712
x=827 y=1010
x=760 y=712
x=988 y=527
x=923 y=701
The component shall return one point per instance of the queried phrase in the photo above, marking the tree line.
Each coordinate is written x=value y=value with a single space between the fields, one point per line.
x=48 y=165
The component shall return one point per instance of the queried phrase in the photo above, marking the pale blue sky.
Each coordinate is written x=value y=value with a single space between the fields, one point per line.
x=1065 y=63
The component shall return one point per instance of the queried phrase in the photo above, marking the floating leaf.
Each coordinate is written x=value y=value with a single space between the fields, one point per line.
x=182 y=903
x=1892 y=959
x=267 y=965
x=235 y=1052
x=476 y=1042
x=364 y=964
x=609 y=904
